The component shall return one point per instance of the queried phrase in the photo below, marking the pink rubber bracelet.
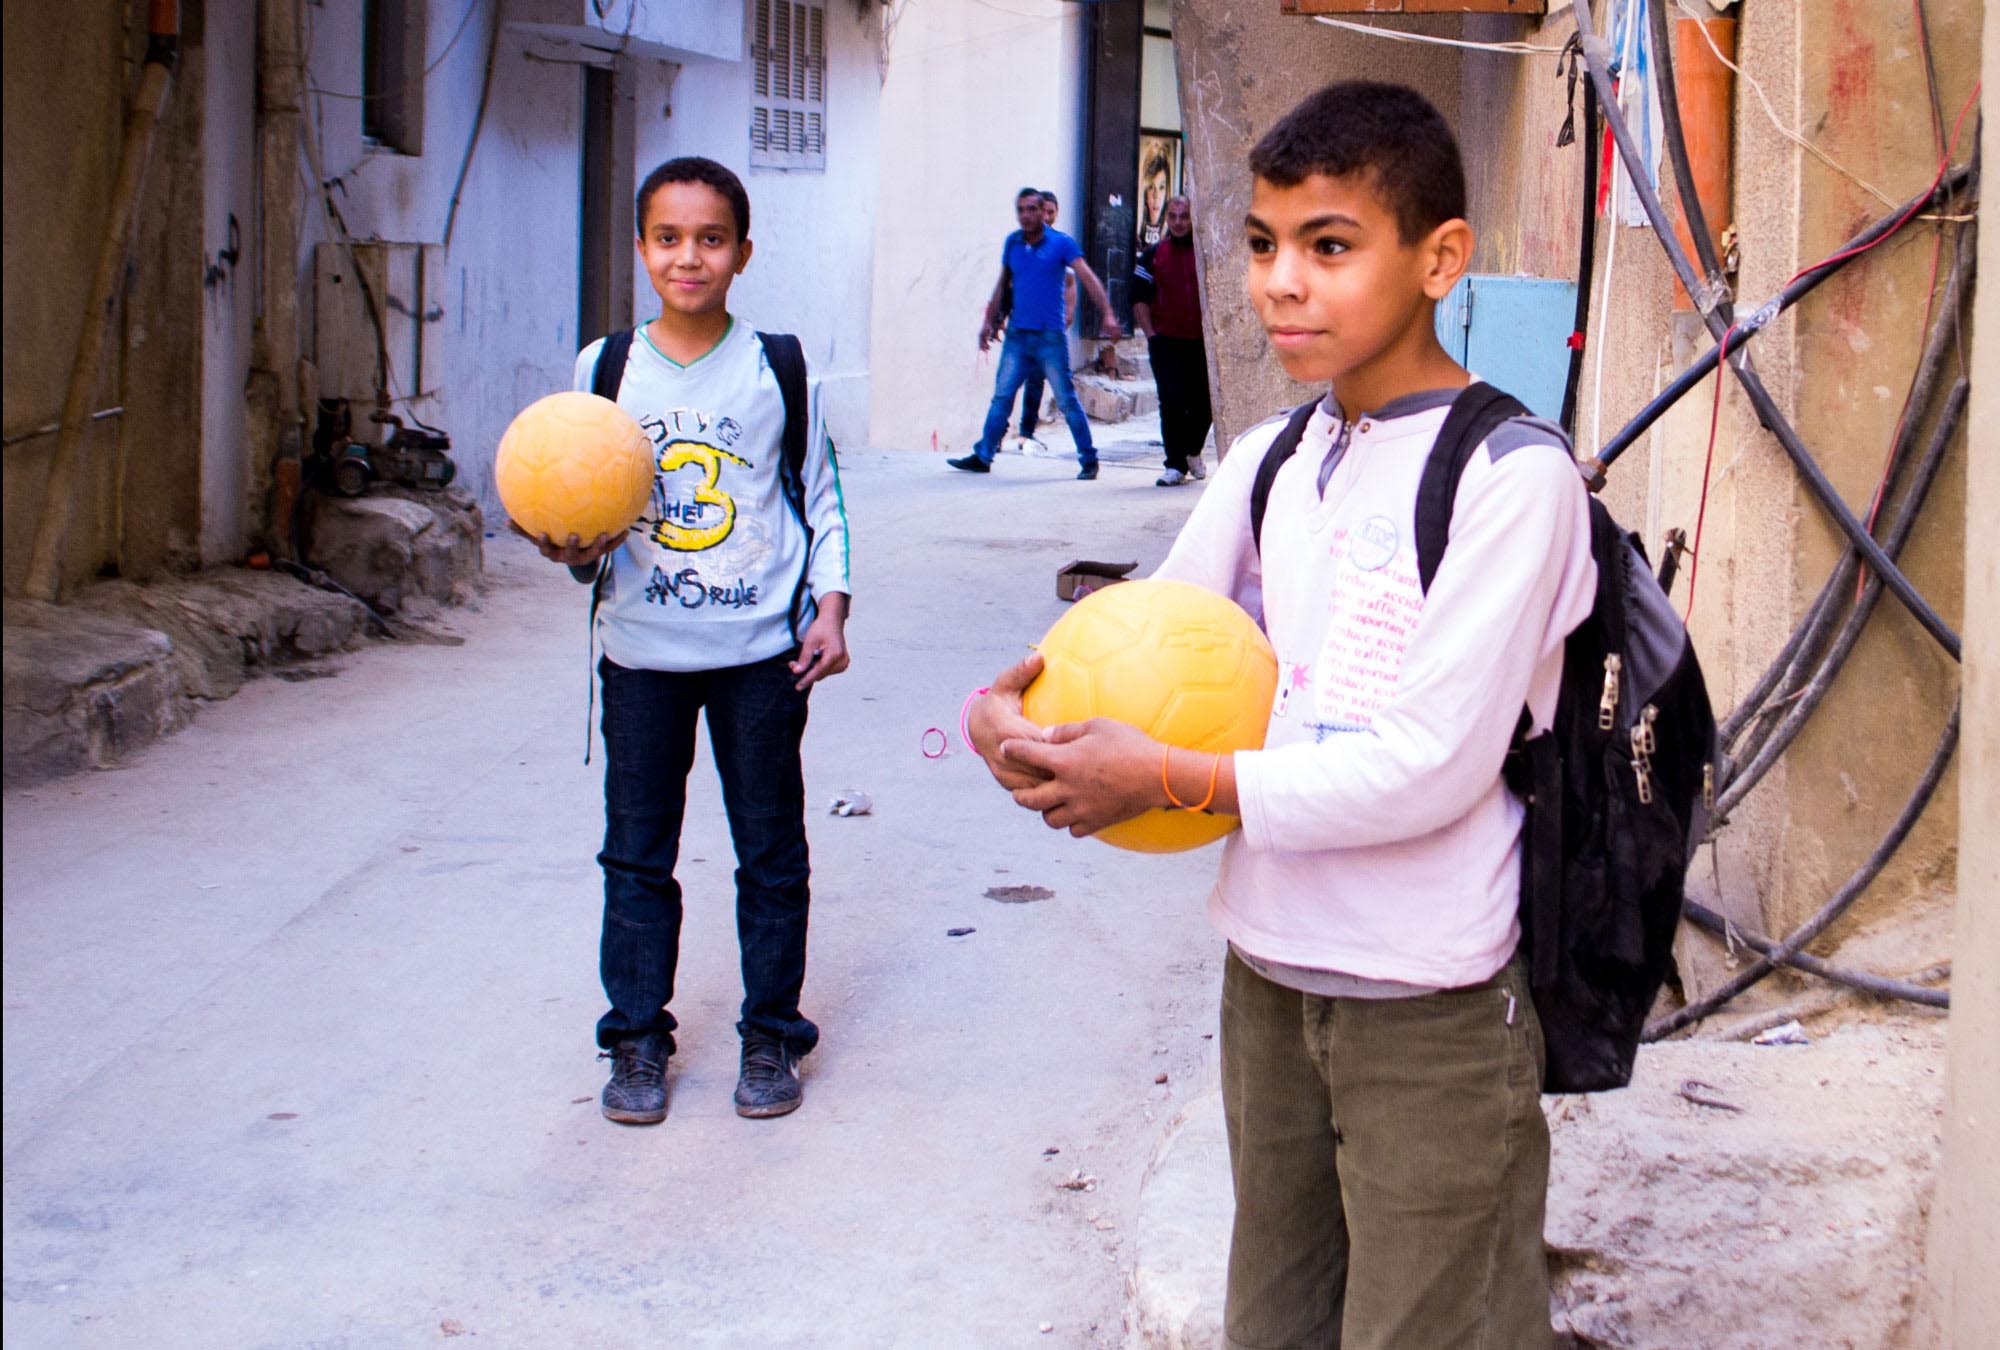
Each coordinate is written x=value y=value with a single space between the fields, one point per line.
x=964 y=711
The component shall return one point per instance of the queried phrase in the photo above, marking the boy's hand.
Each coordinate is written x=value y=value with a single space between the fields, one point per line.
x=995 y=717
x=823 y=649
x=1111 y=328
x=1099 y=773
x=572 y=554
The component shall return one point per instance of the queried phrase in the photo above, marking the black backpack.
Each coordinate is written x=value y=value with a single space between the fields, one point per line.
x=1617 y=790
x=788 y=362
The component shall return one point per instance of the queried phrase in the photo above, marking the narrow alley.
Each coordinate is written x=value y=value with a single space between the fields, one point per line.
x=299 y=1002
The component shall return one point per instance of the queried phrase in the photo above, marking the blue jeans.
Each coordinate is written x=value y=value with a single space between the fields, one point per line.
x=1031 y=401
x=1026 y=349
x=756 y=721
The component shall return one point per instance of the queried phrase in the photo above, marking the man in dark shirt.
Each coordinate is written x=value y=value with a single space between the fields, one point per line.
x=1036 y=259
x=1166 y=307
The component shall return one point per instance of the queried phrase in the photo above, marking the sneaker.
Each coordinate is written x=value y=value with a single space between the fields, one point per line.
x=1171 y=478
x=1087 y=471
x=769 y=1082
x=971 y=464
x=637 y=1092
x=1195 y=470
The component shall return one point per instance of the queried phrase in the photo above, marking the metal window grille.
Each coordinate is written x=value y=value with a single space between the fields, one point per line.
x=788 y=107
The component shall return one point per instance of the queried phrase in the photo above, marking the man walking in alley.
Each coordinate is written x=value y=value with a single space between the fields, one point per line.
x=1035 y=259
x=1032 y=390
x=1166 y=307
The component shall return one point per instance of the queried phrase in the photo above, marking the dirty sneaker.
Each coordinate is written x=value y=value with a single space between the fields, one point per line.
x=637 y=1092
x=971 y=464
x=1171 y=478
x=1195 y=470
x=769 y=1082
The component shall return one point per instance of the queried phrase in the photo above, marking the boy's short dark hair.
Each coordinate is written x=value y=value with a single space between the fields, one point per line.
x=696 y=169
x=1389 y=131
x=1026 y=192
x=1048 y=196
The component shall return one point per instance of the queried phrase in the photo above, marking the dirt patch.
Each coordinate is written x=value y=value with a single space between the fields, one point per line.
x=1019 y=895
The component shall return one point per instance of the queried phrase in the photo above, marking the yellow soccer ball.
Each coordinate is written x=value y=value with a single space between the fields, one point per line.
x=1184 y=665
x=574 y=464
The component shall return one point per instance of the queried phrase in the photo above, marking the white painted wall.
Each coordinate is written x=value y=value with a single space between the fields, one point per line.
x=814 y=230
x=229 y=187
x=979 y=102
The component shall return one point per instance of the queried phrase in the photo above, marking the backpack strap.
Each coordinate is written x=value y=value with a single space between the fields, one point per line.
x=609 y=372
x=1477 y=410
x=787 y=359
x=1282 y=449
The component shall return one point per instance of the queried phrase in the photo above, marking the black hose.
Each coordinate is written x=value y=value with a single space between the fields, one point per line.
x=1586 y=265
x=1594 y=56
x=1802 y=649
x=1842 y=899
x=1799 y=288
x=1717 y=295
x=1738 y=782
x=1882 y=986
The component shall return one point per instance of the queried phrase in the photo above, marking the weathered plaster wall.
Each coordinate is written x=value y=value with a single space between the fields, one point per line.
x=1242 y=65
x=68 y=74
x=137 y=508
x=979 y=102
x=1839 y=366
x=229 y=287
x=507 y=334
x=1964 y=1302
x=813 y=229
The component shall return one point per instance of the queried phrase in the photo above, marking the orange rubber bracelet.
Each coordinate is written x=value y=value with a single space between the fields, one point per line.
x=1214 y=770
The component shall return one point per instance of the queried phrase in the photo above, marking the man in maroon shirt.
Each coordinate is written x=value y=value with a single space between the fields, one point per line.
x=1166 y=307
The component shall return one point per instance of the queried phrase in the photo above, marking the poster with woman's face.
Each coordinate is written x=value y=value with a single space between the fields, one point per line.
x=1159 y=176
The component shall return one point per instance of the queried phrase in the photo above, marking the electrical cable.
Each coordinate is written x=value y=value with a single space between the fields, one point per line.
x=1882 y=986
x=1736 y=783
x=1793 y=292
x=1788 y=669
x=1692 y=212
x=1815 y=479
x=478 y=122
x=1837 y=905
x=1397 y=35
x=1586 y=257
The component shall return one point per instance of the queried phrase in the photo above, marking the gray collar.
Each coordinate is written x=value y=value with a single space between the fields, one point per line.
x=1409 y=404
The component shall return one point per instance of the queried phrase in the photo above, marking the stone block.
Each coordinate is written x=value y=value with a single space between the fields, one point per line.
x=396 y=545
x=82 y=690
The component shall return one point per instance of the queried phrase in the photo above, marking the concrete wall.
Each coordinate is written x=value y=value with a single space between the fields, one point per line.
x=1839 y=366
x=229 y=287
x=980 y=101
x=1965 y=1248
x=814 y=230
x=507 y=335
x=138 y=505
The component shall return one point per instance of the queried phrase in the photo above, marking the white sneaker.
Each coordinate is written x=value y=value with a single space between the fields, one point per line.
x=1171 y=478
x=1194 y=468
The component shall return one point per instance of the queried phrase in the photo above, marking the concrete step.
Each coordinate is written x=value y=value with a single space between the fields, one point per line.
x=1108 y=400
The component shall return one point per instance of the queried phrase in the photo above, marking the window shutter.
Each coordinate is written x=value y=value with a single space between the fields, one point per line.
x=788 y=111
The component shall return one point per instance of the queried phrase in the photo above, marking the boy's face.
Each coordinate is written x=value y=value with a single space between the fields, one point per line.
x=1331 y=278
x=1048 y=213
x=690 y=248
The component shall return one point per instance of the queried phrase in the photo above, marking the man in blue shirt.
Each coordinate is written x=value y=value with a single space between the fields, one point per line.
x=1036 y=259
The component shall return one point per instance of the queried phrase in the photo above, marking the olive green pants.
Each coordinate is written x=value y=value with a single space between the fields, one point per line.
x=1391 y=1165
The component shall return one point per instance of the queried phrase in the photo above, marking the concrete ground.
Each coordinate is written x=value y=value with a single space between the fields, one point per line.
x=298 y=1003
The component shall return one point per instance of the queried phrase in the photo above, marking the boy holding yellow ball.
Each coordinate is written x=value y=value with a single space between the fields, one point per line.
x=729 y=595
x=1381 y=1059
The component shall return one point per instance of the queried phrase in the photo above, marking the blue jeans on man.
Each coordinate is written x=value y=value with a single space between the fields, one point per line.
x=1031 y=402
x=1025 y=350
x=756 y=721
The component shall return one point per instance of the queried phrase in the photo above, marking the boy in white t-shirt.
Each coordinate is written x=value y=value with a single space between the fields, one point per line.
x=728 y=597
x=1381 y=1061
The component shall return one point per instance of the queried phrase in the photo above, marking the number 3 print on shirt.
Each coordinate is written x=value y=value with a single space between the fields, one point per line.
x=706 y=518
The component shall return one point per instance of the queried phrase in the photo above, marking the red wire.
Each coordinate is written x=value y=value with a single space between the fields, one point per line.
x=1722 y=362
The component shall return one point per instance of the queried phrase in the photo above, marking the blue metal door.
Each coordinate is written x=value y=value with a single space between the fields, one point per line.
x=1513 y=333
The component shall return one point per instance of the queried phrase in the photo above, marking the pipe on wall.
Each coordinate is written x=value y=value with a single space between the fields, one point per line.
x=1705 y=92
x=44 y=579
